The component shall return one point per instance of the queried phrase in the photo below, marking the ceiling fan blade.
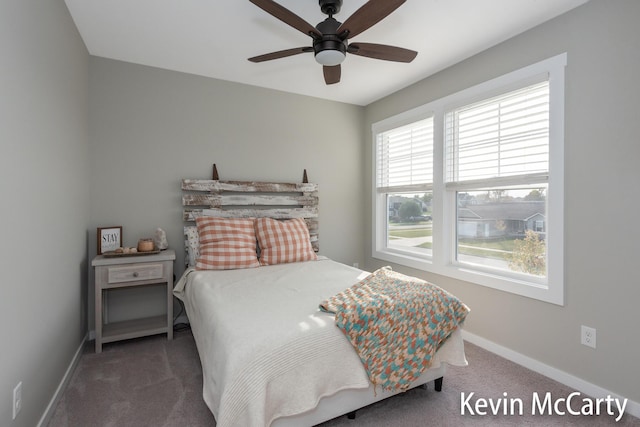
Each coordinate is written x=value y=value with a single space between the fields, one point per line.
x=382 y=51
x=280 y=54
x=332 y=74
x=367 y=16
x=288 y=17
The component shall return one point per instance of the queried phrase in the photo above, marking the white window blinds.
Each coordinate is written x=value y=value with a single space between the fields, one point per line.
x=504 y=136
x=405 y=157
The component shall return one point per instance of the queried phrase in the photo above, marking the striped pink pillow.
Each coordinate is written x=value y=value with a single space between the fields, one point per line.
x=226 y=243
x=283 y=241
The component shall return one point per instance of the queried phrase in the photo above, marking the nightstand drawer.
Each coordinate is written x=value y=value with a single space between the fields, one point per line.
x=134 y=272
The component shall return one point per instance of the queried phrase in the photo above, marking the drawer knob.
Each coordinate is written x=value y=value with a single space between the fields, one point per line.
x=135 y=274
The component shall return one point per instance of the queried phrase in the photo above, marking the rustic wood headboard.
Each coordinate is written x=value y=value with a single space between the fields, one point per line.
x=251 y=199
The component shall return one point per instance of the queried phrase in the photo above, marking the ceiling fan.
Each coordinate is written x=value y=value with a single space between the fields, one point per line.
x=331 y=37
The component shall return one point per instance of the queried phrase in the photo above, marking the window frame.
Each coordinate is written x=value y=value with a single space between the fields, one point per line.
x=444 y=204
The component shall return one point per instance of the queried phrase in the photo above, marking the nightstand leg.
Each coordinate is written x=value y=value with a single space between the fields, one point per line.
x=98 y=326
x=170 y=308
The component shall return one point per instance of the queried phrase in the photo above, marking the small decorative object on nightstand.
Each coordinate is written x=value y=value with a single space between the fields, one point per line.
x=109 y=239
x=146 y=245
x=113 y=272
x=160 y=239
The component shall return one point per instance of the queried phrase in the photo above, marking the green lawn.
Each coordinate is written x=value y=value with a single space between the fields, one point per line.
x=503 y=245
x=478 y=248
x=484 y=253
x=498 y=249
x=488 y=249
x=411 y=232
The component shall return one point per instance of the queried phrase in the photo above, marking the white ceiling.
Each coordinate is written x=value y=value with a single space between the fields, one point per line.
x=214 y=38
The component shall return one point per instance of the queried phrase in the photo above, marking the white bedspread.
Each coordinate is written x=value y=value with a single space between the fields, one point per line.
x=266 y=349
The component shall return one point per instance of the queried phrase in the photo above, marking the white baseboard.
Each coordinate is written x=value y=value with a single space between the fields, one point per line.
x=578 y=384
x=48 y=413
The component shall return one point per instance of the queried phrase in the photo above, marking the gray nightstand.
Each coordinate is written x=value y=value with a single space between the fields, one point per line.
x=130 y=271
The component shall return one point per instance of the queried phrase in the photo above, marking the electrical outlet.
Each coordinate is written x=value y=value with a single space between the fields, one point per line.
x=17 y=399
x=588 y=336
x=356 y=265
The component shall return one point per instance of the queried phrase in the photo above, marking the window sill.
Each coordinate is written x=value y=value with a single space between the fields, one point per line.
x=519 y=285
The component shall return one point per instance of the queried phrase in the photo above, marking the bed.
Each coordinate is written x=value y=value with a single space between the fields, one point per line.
x=269 y=354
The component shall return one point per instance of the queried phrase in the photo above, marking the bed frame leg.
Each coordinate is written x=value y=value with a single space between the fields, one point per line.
x=437 y=384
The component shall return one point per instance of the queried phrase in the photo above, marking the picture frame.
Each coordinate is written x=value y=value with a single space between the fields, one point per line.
x=109 y=238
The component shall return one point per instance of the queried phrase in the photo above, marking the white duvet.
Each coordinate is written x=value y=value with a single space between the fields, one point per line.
x=266 y=349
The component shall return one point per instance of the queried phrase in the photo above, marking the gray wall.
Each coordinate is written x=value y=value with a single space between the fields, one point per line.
x=45 y=201
x=149 y=128
x=602 y=40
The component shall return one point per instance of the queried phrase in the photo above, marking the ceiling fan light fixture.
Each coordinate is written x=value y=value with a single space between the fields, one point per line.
x=330 y=57
x=330 y=50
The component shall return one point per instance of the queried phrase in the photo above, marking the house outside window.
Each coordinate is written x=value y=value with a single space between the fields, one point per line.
x=482 y=200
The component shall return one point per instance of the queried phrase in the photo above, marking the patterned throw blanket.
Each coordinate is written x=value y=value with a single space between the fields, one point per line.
x=396 y=323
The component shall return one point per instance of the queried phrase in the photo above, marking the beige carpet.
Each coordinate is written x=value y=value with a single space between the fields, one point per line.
x=155 y=382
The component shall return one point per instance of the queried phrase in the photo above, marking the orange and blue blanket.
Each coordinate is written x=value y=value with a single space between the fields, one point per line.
x=396 y=323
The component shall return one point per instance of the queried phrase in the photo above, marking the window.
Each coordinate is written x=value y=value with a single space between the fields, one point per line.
x=497 y=166
x=404 y=186
x=471 y=185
